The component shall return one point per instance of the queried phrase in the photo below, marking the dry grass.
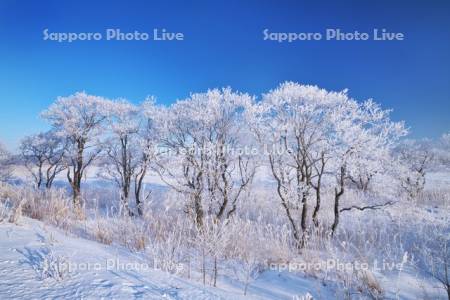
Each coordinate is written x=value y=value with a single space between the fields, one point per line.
x=102 y=233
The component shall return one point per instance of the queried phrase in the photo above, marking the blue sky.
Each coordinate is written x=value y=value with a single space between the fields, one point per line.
x=224 y=46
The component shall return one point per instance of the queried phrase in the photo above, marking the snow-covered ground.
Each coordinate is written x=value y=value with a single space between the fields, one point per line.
x=99 y=271
x=30 y=249
x=437 y=179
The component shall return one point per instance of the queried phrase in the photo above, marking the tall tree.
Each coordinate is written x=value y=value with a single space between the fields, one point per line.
x=312 y=133
x=203 y=135
x=130 y=148
x=80 y=119
x=120 y=148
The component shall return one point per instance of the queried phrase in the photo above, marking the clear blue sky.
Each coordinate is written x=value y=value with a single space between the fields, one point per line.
x=224 y=46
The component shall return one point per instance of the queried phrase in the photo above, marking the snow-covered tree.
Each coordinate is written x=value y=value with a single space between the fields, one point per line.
x=42 y=155
x=5 y=164
x=248 y=248
x=285 y=116
x=442 y=152
x=211 y=239
x=311 y=133
x=148 y=147
x=417 y=157
x=80 y=119
x=203 y=136
x=121 y=148
x=364 y=135
x=297 y=124
x=433 y=254
x=131 y=147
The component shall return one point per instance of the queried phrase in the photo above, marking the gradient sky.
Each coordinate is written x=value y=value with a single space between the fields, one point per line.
x=224 y=46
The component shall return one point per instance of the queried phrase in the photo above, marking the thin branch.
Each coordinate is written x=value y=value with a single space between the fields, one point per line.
x=376 y=206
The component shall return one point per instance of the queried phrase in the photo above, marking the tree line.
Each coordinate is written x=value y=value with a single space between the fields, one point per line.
x=209 y=148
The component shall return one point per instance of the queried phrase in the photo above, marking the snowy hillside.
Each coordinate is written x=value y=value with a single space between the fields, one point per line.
x=94 y=271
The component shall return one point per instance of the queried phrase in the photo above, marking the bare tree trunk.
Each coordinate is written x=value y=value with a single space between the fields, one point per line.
x=198 y=210
x=77 y=189
x=204 y=266
x=75 y=184
x=247 y=279
x=77 y=176
x=39 y=180
x=337 y=195
x=315 y=216
x=215 y=271
x=126 y=173
x=77 y=199
x=284 y=203
x=318 y=188
x=303 y=220
x=50 y=177
x=224 y=194
x=189 y=267
x=126 y=207
x=138 y=191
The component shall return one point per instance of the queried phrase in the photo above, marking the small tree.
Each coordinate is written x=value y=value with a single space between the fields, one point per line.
x=248 y=248
x=5 y=164
x=211 y=239
x=442 y=152
x=416 y=157
x=42 y=155
x=434 y=255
